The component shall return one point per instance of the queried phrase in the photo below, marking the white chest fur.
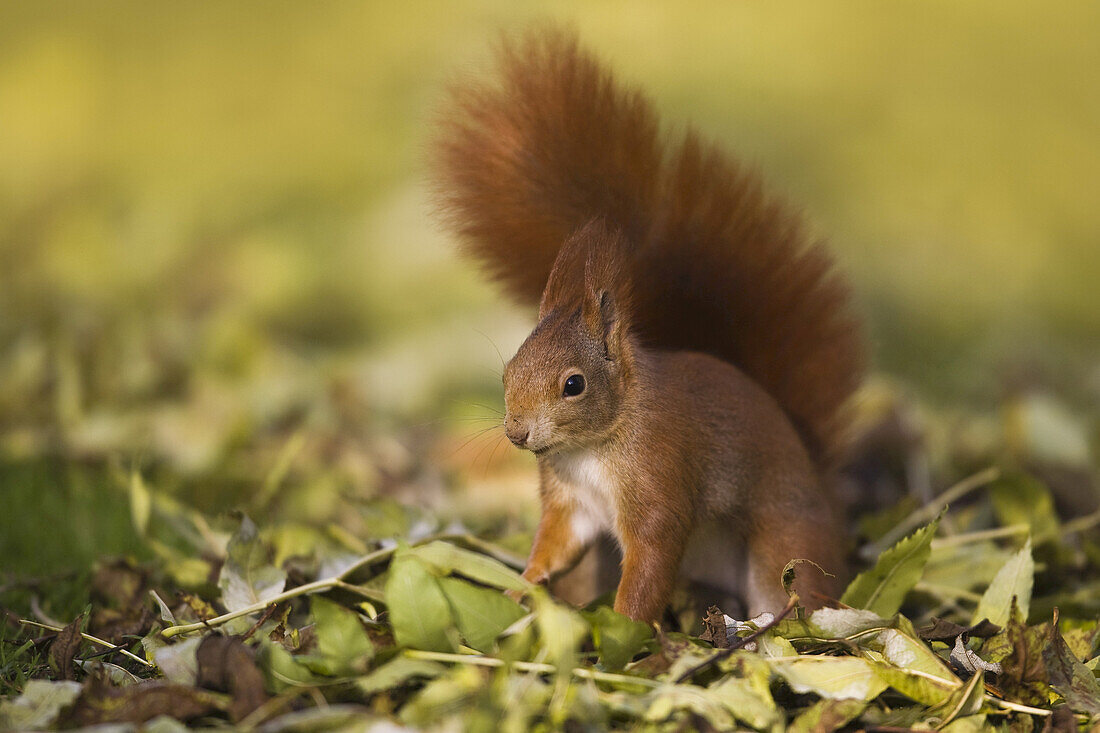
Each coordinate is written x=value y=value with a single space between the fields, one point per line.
x=591 y=487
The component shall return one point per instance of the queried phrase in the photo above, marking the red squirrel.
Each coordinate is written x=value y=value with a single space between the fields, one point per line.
x=684 y=387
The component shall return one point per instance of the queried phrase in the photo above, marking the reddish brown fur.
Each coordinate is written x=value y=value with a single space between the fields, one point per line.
x=719 y=265
x=716 y=344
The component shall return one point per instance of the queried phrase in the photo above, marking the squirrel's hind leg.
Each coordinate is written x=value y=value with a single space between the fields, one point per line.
x=816 y=582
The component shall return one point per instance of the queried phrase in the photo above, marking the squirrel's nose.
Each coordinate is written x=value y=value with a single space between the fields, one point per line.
x=518 y=433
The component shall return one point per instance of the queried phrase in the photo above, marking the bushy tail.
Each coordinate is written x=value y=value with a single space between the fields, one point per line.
x=718 y=266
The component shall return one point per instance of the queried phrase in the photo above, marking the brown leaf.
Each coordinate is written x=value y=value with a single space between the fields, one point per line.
x=101 y=703
x=945 y=631
x=1068 y=676
x=226 y=665
x=64 y=648
x=118 y=584
x=1024 y=676
x=115 y=625
x=714 y=628
x=1062 y=721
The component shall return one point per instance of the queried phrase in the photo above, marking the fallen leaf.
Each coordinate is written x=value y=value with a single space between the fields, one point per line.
x=64 y=648
x=226 y=665
x=248 y=577
x=945 y=631
x=1069 y=677
x=39 y=706
x=714 y=628
x=883 y=588
x=419 y=612
x=1014 y=580
x=100 y=703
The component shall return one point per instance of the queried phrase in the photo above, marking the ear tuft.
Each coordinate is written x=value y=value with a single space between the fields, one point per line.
x=601 y=318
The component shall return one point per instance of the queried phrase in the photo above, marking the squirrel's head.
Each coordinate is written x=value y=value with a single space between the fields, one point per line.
x=565 y=386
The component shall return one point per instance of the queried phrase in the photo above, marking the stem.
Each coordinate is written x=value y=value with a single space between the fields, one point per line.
x=485 y=548
x=1018 y=707
x=928 y=512
x=980 y=536
x=538 y=667
x=944 y=591
x=1080 y=524
x=93 y=639
x=315 y=586
x=337 y=581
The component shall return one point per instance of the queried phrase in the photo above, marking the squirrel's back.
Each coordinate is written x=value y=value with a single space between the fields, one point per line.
x=715 y=264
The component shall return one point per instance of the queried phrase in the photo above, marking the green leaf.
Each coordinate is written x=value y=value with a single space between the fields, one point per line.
x=910 y=666
x=342 y=642
x=140 y=503
x=283 y=671
x=617 y=637
x=826 y=716
x=883 y=588
x=834 y=678
x=667 y=699
x=1014 y=580
x=561 y=630
x=845 y=623
x=419 y=612
x=747 y=701
x=480 y=614
x=396 y=673
x=248 y=577
x=968 y=724
x=447 y=559
x=1021 y=499
x=926 y=689
x=910 y=653
x=964 y=703
x=39 y=705
x=442 y=696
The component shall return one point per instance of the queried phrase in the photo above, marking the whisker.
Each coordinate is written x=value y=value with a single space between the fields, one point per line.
x=473 y=464
x=474 y=437
x=495 y=348
x=493 y=410
x=492 y=454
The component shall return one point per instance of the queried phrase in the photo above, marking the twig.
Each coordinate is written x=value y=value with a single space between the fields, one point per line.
x=89 y=637
x=928 y=512
x=1017 y=707
x=1080 y=524
x=739 y=643
x=339 y=581
x=482 y=661
x=314 y=587
x=944 y=591
x=41 y=615
x=980 y=536
x=268 y=613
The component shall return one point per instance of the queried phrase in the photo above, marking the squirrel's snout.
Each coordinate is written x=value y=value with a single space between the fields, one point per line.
x=518 y=432
x=518 y=436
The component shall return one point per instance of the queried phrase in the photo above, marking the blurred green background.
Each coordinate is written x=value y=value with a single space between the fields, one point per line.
x=218 y=267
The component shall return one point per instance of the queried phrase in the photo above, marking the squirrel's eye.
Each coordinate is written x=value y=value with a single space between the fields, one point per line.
x=573 y=386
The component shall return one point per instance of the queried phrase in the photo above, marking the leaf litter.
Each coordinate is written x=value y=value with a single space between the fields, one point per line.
x=422 y=634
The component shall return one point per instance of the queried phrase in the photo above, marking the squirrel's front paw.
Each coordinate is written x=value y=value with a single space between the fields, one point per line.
x=535 y=577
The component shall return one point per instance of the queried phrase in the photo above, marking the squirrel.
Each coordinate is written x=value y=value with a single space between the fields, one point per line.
x=685 y=386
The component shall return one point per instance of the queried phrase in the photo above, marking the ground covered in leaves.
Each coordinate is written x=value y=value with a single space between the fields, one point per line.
x=979 y=615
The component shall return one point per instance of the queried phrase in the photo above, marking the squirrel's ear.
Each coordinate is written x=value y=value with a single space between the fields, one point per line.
x=601 y=317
